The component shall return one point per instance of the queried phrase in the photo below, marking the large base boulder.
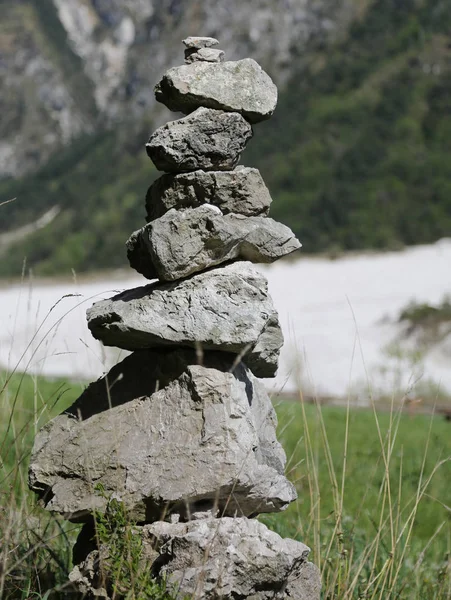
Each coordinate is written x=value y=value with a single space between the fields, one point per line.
x=227 y=309
x=180 y=437
x=212 y=558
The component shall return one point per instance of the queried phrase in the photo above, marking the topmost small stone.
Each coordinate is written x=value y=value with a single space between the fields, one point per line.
x=200 y=42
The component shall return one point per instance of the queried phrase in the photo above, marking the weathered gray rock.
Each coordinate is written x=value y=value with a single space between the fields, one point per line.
x=207 y=139
x=240 y=86
x=198 y=42
x=181 y=243
x=88 y=578
x=219 y=558
x=241 y=191
x=227 y=309
x=211 y=55
x=204 y=441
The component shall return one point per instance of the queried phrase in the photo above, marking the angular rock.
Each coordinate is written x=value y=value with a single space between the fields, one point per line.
x=88 y=578
x=217 y=558
x=207 y=139
x=203 y=54
x=181 y=243
x=240 y=86
x=227 y=309
x=198 y=42
x=179 y=438
x=241 y=191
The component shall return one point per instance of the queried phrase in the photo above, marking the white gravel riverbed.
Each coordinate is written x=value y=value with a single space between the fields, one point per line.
x=338 y=316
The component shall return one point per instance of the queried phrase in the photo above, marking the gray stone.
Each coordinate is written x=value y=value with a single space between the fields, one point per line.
x=227 y=309
x=241 y=191
x=240 y=86
x=88 y=578
x=180 y=438
x=207 y=139
x=200 y=42
x=181 y=243
x=203 y=54
x=218 y=558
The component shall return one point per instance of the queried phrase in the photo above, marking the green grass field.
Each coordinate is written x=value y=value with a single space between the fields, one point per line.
x=35 y=548
x=374 y=497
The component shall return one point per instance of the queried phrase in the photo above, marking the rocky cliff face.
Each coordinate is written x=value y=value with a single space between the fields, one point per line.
x=69 y=67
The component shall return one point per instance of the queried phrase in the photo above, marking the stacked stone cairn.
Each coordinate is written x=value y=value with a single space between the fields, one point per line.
x=181 y=431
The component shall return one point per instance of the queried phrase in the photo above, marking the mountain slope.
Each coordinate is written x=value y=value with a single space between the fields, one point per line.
x=70 y=67
x=358 y=152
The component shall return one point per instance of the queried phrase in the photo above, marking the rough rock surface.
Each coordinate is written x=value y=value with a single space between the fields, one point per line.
x=88 y=577
x=203 y=54
x=227 y=309
x=240 y=86
x=207 y=139
x=181 y=243
x=241 y=191
x=220 y=558
x=204 y=441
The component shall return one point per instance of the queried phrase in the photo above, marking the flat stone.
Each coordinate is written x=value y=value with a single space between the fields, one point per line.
x=217 y=558
x=183 y=435
x=181 y=243
x=227 y=309
x=207 y=139
x=239 y=86
x=200 y=42
x=203 y=54
x=241 y=191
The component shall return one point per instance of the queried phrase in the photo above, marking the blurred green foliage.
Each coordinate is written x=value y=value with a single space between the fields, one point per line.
x=425 y=315
x=356 y=155
x=99 y=183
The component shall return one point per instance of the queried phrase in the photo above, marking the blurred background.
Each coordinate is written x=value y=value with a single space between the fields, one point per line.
x=356 y=156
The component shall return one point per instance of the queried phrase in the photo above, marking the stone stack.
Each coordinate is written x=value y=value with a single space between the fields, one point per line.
x=181 y=431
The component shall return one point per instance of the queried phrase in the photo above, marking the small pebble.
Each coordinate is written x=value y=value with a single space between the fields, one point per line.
x=200 y=42
x=203 y=55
